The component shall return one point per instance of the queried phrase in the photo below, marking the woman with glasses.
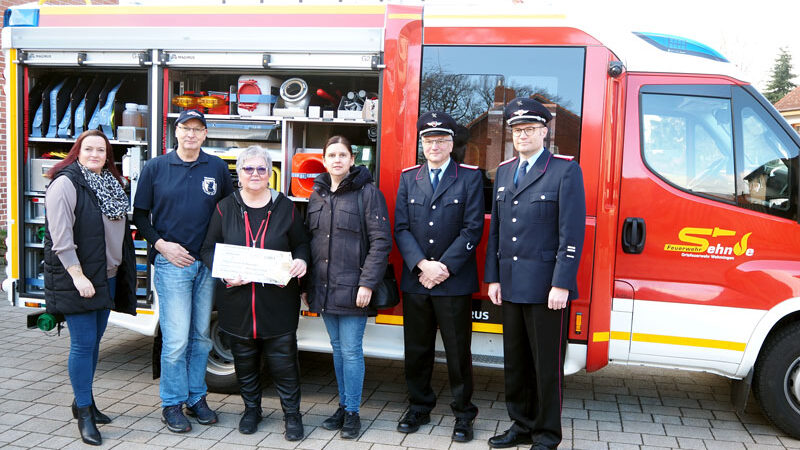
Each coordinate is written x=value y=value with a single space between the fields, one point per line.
x=261 y=319
x=89 y=262
x=341 y=286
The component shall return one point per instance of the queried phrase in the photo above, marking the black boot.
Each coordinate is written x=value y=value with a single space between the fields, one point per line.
x=352 y=425
x=250 y=420
x=294 y=426
x=99 y=418
x=335 y=421
x=87 y=426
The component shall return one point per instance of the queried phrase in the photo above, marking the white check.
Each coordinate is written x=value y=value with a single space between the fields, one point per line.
x=252 y=264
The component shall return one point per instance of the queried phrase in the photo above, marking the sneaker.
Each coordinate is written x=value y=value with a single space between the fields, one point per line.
x=201 y=411
x=335 y=421
x=175 y=420
x=250 y=420
x=294 y=426
x=352 y=425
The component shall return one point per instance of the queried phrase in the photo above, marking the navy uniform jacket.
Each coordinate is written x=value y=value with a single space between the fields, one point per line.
x=537 y=229
x=445 y=226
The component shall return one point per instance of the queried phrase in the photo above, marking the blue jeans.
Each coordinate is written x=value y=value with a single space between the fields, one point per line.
x=85 y=331
x=185 y=300
x=347 y=333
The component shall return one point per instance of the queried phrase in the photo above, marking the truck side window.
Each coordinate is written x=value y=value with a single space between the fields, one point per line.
x=473 y=84
x=687 y=141
x=767 y=170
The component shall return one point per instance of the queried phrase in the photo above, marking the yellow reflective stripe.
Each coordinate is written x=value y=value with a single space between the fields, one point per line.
x=148 y=312
x=605 y=336
x=389 y=319
x=201 y=10
x=600 y=336
x=13 y=152
x=691 y=342
x=487 y=327
x=405 y=16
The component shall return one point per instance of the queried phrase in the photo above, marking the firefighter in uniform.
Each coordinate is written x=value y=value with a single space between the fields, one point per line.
x=438 y=223
x=535 y=241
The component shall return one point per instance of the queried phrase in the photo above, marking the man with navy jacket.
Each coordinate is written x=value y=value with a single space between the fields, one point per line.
x=438 y=224
x=535 y=241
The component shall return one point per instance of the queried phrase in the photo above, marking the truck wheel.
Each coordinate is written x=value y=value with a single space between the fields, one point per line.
x=777 y=380
x=220 y=375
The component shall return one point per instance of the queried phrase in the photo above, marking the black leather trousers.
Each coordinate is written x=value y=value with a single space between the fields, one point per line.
x=280 y=358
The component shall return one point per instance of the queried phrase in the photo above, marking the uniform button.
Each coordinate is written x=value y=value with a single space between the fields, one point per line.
x=326 y=260
x=431 y=258
x=514 y=239
x=542 y=197
x=514 y=219
x=430 y=223
x=328 y=236
x=433 y=207
x=412 y=200
x=455 y=201
x=430 y=241
x=516 y=202
x=515 y=258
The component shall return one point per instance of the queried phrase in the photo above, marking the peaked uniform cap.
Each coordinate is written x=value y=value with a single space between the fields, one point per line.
x=436 y=122
x=526 y=110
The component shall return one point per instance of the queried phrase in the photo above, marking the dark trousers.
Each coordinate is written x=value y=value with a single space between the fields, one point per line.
x=280 y=357
x=453 y=315
x=535 y=343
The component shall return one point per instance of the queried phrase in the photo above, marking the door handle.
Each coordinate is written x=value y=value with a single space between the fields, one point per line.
x=633 y=235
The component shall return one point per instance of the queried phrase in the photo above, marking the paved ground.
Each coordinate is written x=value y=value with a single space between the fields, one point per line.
x=616 y=408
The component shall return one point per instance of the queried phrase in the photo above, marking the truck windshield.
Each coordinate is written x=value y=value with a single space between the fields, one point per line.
x=473 y=85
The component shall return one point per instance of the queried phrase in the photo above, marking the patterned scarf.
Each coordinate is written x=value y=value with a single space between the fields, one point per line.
x=112 y=199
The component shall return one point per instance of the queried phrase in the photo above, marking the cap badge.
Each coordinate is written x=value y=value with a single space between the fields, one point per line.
x=520 y=112
x=519 y=103
x=433 y=115
x=433 y=124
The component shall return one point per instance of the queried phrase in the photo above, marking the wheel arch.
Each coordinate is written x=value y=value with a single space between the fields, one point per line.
x=780 y=316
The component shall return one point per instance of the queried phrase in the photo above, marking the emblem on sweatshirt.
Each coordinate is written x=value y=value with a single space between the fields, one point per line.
x=210 y=185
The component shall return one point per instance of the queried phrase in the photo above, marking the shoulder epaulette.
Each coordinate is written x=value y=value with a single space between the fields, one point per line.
x=412 y=168
x=566 y=157
x=507 y=161
x=467 y=166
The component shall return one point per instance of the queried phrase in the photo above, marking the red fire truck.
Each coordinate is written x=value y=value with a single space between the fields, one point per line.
x=692 y=254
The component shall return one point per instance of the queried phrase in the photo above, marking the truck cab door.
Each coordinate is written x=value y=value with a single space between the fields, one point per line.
x=709 y=184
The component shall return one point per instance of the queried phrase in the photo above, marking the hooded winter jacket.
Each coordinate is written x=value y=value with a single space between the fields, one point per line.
x=335 y=225
x=257 y=310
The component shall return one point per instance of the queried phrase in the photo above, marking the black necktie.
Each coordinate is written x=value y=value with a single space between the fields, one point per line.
x=521 y=172
x=435 y=180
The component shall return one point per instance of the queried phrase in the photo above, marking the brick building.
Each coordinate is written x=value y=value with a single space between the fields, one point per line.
x=4 y=5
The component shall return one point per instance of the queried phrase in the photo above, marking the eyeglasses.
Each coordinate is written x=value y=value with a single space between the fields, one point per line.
x=262 y=170
x=517 y=132
x=431 y=142
x=190 y=130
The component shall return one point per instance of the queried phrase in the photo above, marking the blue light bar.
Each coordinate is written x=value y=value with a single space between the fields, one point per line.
x=677 y=44
x=21 y=17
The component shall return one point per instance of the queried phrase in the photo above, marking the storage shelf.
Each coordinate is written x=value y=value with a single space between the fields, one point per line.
x=71 y=141
x=281 y=118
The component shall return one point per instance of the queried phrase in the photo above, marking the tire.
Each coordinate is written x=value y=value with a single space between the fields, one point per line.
x=777 y=380
x=220 y=374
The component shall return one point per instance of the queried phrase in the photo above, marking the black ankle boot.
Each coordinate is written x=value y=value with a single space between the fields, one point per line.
x=351 y=426
x=87 y=426
x=99 y=418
